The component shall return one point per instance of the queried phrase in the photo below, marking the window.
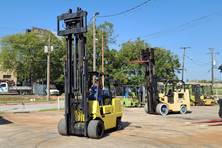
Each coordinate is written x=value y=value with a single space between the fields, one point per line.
x=3 y=85
x=180 y=96
x=7 y=76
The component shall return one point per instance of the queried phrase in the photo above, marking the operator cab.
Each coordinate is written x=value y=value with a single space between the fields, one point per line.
x=96 y=89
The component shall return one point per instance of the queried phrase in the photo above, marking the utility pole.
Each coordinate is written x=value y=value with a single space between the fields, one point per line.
x=183 y=64
x=212 y=54
x=48 y=50
x=103 y=81
x=94 y=42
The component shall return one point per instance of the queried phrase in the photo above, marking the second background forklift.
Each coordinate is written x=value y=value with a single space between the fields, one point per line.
x=174 y=97
x=201 y=95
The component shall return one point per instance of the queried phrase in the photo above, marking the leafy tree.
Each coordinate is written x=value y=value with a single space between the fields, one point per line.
x=106 y=29
x=166 y=63
x=24 y=54
x=129 y=73
x=220 y=68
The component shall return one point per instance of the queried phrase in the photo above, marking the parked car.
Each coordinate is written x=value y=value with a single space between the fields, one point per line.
x=53 y=90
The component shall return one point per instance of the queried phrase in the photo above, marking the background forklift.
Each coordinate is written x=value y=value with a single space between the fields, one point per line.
x=130 y=96
x=201 y=95
x=162 y=103
x=84 y=115
x=176 y=96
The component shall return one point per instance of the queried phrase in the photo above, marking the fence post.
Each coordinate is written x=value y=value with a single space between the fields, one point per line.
x=58 y=102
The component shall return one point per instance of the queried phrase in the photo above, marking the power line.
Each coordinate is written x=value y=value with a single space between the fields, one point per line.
x=178 y=28
x=196 y=62
x=183 y=26
x=126 y=11
x=213 y=63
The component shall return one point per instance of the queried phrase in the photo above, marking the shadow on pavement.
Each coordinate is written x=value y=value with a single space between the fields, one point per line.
x=4 y=121
x=124 y=125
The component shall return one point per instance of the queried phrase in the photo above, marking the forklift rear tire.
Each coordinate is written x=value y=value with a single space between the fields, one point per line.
x=183 y=109
x=95 y=129
x=62 y=127
x=162 y=109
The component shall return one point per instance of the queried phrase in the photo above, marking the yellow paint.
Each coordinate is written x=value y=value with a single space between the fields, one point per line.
x=107 y=113
x=208 y=101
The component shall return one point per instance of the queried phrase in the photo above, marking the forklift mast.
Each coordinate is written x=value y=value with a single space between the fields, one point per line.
x=150 y=79
x=74 y=26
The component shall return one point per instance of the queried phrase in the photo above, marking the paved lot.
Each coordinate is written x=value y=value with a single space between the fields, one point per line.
x=39 y=129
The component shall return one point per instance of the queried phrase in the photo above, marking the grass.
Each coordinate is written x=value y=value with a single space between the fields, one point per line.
x=218 y=91
x=50 y=109
x=19 y=99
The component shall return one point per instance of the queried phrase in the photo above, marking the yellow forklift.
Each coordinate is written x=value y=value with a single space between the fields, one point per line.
x=174 y=99
x=89 y=109
x=201 y=95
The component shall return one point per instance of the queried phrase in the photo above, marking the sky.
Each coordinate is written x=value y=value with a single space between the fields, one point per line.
x=169 y=24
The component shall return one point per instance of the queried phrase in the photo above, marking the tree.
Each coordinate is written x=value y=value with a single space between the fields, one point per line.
x=166 y=63
x=129 y=73
x=24 y=54
x=107 y=30
x=220 y=68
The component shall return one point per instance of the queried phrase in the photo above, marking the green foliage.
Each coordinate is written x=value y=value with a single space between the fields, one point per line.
x=133 y=74
x=166 y=63
x=220 y=68
x=24 y=53
x=105 y=29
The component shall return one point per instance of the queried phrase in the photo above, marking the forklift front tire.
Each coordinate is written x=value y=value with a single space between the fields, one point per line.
x=62 y=127
x=95 y=129
x=183 y=109
x=162 y=109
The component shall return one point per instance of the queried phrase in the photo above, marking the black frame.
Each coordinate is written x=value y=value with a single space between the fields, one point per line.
x=75 y=69
x=151 y=79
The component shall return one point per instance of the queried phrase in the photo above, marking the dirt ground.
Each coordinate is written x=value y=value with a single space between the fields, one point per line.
x=39 y=129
